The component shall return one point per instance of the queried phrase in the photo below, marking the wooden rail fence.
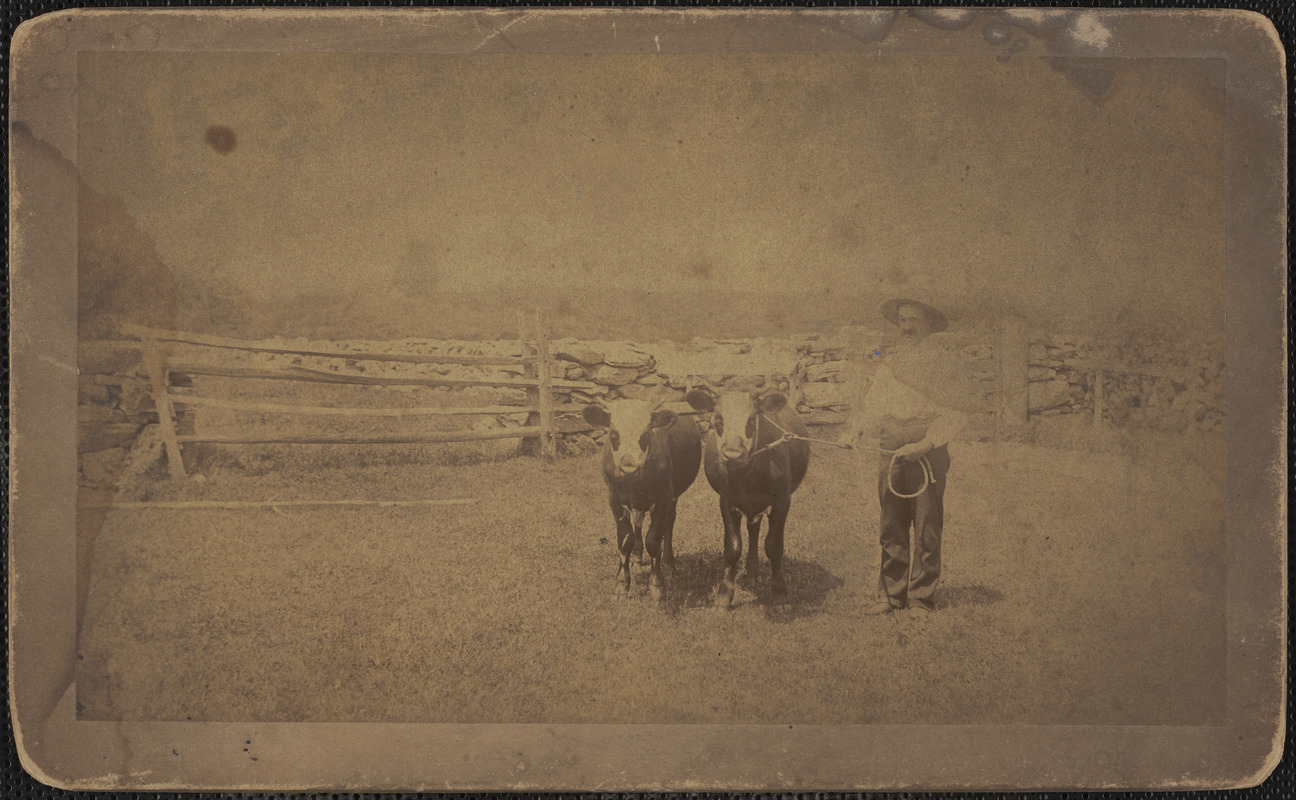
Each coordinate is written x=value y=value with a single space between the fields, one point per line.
x=160 y=365
x=169 y=353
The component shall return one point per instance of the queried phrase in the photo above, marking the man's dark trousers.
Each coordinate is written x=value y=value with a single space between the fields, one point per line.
x=904 y=584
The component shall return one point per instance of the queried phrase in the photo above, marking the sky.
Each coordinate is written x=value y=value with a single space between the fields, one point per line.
x=1004 y=183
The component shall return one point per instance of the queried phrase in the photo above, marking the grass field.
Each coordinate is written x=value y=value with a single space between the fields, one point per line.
x=1079 y=588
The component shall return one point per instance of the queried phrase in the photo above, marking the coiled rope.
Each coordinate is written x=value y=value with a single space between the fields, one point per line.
x=928 y=478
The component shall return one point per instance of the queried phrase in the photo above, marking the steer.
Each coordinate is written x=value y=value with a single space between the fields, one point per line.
x=651 y=456
x=754 y=464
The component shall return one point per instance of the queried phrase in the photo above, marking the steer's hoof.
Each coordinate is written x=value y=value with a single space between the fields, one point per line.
x=657 y=593
x=779 y=597
x=724 y=598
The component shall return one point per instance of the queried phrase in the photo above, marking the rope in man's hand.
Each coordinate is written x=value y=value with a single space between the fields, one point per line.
x=928 y=477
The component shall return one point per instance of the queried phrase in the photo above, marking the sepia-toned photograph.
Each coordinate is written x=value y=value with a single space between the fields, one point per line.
x=872 y=371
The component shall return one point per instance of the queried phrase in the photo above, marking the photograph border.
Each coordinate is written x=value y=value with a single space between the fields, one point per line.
x=60 y=750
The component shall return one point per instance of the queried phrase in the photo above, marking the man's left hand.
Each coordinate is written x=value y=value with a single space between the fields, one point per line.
x=915 y=451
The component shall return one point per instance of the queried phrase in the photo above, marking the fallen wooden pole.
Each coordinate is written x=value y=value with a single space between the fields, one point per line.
x=185 y=504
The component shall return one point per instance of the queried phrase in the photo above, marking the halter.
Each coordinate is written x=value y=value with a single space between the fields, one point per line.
x=787 y=436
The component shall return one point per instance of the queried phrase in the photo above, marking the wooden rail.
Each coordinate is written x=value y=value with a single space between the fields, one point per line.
x=155 y=345
x=201 y=504
x=308 y=375
x=343 y=411
x=395 y=438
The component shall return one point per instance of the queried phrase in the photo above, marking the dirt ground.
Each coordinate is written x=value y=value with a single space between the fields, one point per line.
x=1078 y=588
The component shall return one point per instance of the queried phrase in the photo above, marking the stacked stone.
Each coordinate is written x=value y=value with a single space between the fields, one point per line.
x=832 y=373
x=1058 y=383
x=984 y=371
x=826 y=380
x=738 y=364
x=1193 y=401
x=1061 y=375
x=633 y=371
x=981 y=361
x=615 y=370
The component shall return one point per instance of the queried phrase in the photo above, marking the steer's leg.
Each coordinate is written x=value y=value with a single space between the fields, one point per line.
x=668 y=537
x=625 y=543
x=663 y=519
x=753 y=548
x=732 y=552
x=774 y=550
x=637 y=541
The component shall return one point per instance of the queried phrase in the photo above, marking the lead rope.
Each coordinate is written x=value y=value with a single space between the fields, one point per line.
x=928 y=477
x=789 y=436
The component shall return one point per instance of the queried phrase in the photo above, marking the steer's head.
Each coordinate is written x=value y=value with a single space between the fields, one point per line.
x=734 y=418
x=630 y=424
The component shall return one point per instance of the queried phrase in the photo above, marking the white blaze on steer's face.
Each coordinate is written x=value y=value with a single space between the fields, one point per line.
x=630 y=424
x=735 y=418
x=629 y=434
x=735 y=424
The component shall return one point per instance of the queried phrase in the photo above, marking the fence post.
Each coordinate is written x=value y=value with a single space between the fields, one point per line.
x=158 y=380
x=1099 y=376
x=531 y=371
x=548 y=446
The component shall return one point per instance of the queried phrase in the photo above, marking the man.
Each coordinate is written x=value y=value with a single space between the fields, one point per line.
x=910 y=404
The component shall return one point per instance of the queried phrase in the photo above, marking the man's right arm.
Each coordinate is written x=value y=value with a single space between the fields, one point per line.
x=864 y=411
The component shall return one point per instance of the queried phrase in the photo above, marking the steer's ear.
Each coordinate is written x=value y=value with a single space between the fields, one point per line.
x=663 y=419
x=597 y=416
x=772 y=403
x=700 y=400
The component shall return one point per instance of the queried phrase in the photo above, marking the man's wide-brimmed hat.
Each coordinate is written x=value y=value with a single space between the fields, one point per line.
x=891 y=310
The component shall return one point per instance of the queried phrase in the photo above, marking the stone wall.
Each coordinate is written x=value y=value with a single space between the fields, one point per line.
x=822 y=374
x=1064 y=376
x=833 y=371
